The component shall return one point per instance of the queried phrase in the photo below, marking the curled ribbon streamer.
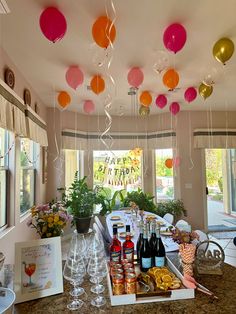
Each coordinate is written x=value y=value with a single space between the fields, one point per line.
x=108 y=120
x=190 y=142
x=8 y=151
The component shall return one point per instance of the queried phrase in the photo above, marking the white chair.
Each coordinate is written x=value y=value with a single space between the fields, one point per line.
x=202 y=237
x=169 y=218
x=100 y=236
x=183 y=225
x=101 y=228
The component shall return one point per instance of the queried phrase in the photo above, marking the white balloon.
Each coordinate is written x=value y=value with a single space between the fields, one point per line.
x=161 y=61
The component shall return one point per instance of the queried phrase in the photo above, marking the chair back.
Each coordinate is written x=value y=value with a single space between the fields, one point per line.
x=101 y=228
x=202 y=237
x=169 y=218
x=183 y=225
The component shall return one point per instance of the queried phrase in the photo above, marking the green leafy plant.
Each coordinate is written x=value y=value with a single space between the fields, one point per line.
x=80 y=199
x=108 y=201
x=143 y=200
x=174 y=207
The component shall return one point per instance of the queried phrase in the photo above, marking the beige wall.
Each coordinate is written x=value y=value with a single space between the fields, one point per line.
x=190 y=180
x=18 y=230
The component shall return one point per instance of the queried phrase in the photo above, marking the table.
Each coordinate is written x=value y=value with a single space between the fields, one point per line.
x=129 y=219
x=224 y=287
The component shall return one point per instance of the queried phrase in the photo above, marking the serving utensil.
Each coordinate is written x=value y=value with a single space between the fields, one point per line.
x=191 y=283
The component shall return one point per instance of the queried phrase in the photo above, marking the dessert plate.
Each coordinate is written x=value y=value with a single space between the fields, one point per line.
x=115 y=218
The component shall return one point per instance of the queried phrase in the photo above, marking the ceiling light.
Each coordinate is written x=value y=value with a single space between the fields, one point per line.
x=4 y=9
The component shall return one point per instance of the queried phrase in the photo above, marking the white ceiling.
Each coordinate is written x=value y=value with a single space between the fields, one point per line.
x=139 y=25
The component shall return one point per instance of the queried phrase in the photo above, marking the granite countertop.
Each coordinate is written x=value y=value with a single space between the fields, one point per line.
x=223 y=286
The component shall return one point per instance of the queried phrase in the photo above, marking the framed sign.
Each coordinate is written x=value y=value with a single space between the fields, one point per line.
x=38 y=269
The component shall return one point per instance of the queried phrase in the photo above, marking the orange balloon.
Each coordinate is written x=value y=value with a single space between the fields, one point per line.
x=171 y=79
x=103 y=32
x=145 y=98
x=97 y=84
x=64 y=99
x=169 y=163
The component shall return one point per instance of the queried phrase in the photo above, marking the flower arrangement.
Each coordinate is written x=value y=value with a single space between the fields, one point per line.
x=183 y=237
x=49 y=220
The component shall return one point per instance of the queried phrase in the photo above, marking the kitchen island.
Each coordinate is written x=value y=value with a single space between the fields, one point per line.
x=223 y=286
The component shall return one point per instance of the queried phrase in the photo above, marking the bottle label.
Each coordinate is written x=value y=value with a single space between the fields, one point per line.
x=159 y=261
x=129 y=254
x=115 y=256
x=146 y=262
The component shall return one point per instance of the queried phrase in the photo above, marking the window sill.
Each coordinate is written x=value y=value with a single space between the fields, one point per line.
x=25 y=216
x=4 y=232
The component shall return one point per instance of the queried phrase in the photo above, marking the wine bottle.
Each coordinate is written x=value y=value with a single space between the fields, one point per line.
x=128 y=246
x=115 y=247
x=140 y=241
x=145 y=254
x=159 y=252
x=152 y=242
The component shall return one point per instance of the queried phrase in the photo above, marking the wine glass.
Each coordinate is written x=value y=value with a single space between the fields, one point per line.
x=74 y=270
x=97 y=268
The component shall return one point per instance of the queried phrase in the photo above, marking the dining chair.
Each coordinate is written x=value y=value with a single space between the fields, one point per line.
x=202 y=237
x=169 y=218
x=101 y=228
x=183 y=225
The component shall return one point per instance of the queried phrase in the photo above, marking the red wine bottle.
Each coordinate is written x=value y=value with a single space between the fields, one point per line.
x=145 y=254
x=115 y=247
x=128 y=246
x=159 y=252
x=140 y=241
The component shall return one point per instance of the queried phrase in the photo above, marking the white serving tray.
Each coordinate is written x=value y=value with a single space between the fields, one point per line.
x=178 y=294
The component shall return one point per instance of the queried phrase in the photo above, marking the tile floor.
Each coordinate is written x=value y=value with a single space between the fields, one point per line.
x=229 y=249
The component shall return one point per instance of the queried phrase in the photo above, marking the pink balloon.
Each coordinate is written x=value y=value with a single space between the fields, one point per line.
x=174 y=37
x=161 y=101
x=74 y=77
x=89 y=106
x=176 y=162
x=190 y=94
x=53 y=24
x=135 y=77
x=174 y=108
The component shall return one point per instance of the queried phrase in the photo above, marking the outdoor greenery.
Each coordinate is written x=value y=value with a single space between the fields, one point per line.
x=214 y=167
x=80 y=199
x=108 y=201
x=143 y=200
x=161 y=169
x=174 y=207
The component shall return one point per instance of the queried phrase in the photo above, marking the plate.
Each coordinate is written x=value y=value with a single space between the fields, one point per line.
x=151 y=217
x=119 y=224
x=123 y=234
x=128 y=211
x=9 y=77
x=161 y=223
x=166 y=233
x=115 y=218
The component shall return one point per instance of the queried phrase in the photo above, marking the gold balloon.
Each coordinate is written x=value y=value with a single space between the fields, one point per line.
x=205 y=90
x=223 y=50
x=144 y=111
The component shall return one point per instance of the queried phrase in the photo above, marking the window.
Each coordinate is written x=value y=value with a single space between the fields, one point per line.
x=73 y=163
x=4 y=146
x=120 y=169
x=164 y=174
x=28 y=160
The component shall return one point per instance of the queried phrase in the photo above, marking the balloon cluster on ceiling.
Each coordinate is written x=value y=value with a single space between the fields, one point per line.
x=54 y=26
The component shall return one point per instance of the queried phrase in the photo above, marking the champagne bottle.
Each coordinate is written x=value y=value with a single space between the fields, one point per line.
x=145 y=254
x=152 y=242
x=140 y=241
x=159 y=252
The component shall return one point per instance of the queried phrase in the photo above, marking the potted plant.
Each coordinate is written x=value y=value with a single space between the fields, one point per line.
x=143 y=200
x=108 y=201
x=174 y=207
x=80 y=200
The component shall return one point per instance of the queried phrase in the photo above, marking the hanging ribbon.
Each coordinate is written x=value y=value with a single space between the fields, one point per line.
x=190 y=142
x=8 y=151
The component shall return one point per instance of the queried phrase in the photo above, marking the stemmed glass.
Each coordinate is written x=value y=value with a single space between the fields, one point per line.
x=97 y=269
x=74 y=270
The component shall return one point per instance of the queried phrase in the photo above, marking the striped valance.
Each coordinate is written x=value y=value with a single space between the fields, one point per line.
x=79 y=140
x=214 y=138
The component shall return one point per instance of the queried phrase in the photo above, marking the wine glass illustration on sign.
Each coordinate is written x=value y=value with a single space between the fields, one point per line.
x=29 y=270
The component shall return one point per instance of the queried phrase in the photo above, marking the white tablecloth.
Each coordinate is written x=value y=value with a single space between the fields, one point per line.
x=129 y=219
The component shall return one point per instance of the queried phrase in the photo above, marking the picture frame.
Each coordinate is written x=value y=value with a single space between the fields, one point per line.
x=44 y=165
x=38 y=269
